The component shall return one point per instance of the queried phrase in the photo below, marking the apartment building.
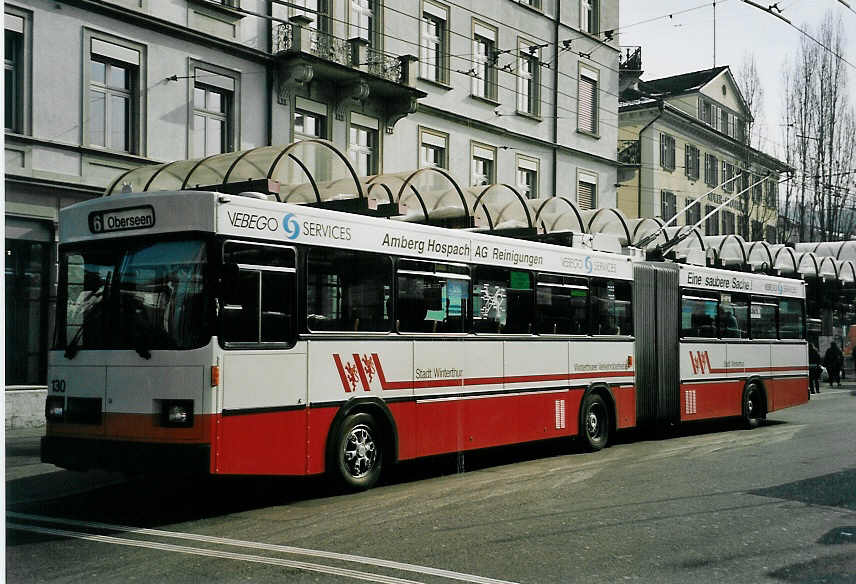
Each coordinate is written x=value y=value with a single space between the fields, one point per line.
x=523 y=92
x=683 y=139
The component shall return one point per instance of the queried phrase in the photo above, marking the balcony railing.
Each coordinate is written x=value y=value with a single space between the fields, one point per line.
x=630 y=59
x=295 y=37
x=628 y=152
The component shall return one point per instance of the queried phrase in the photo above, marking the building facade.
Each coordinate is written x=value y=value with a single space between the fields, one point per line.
x=683 y=139
x=523 y=92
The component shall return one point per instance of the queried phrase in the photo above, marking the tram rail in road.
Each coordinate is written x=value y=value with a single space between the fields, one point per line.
x=39 y=524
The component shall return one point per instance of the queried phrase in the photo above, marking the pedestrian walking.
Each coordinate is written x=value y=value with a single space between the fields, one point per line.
x=853 y=354
x=813 y=369
x=834 y=359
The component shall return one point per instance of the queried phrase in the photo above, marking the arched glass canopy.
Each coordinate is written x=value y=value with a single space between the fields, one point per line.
x=502 y=206
x=827 y=268
x=554 y=214
x=759 y=256
x=642 y=228
x=840 y=250
x=808 y=265
x=308 y=171
x=691 y=248
x=609 y=221
x=847 y=271
x=784 y=260
x=426 y=195
x=726 y=250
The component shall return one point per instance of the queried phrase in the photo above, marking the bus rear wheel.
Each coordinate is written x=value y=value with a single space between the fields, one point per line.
x=754 y=412
x=594 y=422
x=358 y=453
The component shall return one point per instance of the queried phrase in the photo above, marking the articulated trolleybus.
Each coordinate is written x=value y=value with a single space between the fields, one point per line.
x=231 y=334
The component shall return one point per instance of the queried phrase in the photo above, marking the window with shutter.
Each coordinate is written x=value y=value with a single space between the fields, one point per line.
x=586 y=191
x=667 y=151
x=711 y=224
x=691 y=161
x=588 y=104
x=668 y=205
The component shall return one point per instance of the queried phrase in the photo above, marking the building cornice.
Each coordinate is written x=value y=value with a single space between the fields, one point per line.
x=709 y=133
x=451 y=116
x=170 y=28
x=66 y=186
x=12 y=139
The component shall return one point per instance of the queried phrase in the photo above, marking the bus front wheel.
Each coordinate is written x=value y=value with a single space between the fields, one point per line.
x=594 y=422
x=358 y=453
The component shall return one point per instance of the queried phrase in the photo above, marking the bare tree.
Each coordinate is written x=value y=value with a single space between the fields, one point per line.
x=820 y=139
x=755 y=204
x=749 y=83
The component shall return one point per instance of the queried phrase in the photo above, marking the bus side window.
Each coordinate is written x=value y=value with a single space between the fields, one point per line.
x=258 y=297
x=791 y=319
x=699 y=315
x=431 y=297
x=348 y=291
x=733 y=316
x=763 y=315
x=611 y=309
x=502 y=301
x=561 y=304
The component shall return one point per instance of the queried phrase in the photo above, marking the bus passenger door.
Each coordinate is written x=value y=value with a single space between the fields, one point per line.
x=262 y=426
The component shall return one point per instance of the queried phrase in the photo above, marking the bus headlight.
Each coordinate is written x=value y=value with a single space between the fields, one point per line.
x=177 y=413
x=55 y=408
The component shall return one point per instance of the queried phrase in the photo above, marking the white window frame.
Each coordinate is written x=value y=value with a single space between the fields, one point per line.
x=227 y=81
x=528 y=81
x=588 y=177
x=484 y=83
x=590 y=13
x=526 y=165
x=311 y=108
x=103 y=47
x=592 y=76
x=482 y=151
x=364 y=21
x=433 y=50
x=364 y=122
x=429 y=138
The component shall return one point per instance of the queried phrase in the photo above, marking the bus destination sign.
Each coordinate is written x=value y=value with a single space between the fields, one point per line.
x=122 y=219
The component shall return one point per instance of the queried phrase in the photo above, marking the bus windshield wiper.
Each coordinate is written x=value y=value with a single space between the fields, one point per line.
x=73 y=346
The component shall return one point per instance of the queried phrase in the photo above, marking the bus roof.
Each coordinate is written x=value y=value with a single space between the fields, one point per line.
x=248 y=217
x=713 y=279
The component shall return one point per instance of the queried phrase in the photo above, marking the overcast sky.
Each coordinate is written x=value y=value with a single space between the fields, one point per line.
x=684 y=42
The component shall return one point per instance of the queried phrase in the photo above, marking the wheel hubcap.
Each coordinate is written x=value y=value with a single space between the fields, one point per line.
x=593 y=422
x=360 y=451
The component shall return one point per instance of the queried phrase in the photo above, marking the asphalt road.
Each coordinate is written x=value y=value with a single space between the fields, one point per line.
x=712 y=503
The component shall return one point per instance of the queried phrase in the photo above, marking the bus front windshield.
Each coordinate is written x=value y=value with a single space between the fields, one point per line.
x=140 y=295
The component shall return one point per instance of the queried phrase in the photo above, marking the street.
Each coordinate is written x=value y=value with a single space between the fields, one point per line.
x=711 y=503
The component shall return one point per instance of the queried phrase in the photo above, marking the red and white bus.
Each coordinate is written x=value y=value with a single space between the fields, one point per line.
x=231 y=334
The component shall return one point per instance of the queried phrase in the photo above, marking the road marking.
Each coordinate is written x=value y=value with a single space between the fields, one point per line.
x=215 y=554
x=404 y=567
